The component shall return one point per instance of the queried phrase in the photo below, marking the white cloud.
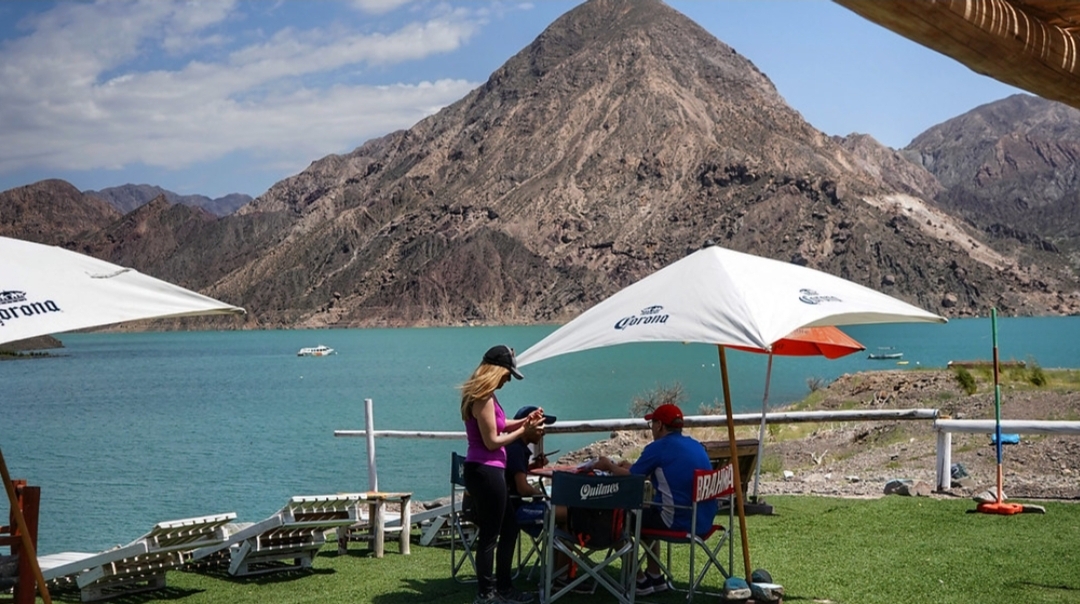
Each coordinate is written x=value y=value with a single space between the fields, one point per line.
x=378 y=7
x=111 y=84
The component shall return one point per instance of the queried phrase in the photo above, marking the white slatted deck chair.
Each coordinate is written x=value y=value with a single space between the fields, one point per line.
x=140 y=565
x=296 y=533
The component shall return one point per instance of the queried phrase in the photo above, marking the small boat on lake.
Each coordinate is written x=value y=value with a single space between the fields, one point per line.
x=885 y=355
x=317 y=351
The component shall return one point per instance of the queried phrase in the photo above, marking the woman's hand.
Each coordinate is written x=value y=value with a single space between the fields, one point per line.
x=537 y=415
x=534 y=428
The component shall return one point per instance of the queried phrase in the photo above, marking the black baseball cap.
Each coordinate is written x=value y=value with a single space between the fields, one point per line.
x=527 y=409
x=503 y=357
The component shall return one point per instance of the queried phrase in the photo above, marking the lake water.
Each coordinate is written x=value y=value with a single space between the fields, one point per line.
x=121 y=431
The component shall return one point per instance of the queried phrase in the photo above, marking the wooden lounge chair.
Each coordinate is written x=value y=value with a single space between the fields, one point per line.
x=296 y=533
x=140 y=565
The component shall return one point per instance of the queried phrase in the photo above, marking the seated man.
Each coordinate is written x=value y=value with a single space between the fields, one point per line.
x=530 y=514
x=669 y=463
x=526 y=497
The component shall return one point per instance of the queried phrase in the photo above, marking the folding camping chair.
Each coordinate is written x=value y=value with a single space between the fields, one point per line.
x=616 y=502
x=530 y=544
x=463 y=530
x=708 y=485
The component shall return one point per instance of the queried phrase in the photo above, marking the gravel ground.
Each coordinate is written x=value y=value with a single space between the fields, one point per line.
x=857 y=459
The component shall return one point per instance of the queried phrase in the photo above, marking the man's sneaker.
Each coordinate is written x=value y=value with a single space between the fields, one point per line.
x=489 y=598
x=587 y=586
x=659 y=584
x=514 y=596
x=644 y=586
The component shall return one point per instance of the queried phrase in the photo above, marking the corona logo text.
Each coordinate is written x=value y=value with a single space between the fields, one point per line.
x=14 y=305
x=647 y=316
x=809 y=296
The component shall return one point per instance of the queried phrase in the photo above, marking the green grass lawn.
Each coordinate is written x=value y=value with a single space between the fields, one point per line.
x=847 y=551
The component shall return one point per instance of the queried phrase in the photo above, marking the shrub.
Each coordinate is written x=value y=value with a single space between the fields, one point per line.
x=815 y=383
x=661 y=395
x=1036 y=375
x=967 y=381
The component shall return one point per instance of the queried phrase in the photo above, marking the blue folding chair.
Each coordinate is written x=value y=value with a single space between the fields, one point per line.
x=615 y=503
x=463 y=530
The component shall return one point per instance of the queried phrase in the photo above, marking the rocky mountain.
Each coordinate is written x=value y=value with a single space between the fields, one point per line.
x=52 y=212
x=1012 y=169
x=624 y=137
x=129 y=197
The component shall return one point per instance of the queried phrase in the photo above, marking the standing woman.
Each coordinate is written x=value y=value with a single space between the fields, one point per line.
x=488 y=432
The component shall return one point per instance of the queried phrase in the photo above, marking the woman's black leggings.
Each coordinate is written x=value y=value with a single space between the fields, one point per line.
x=495 y=519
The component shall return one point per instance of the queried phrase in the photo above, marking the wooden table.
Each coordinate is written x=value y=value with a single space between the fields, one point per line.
x=374 y=529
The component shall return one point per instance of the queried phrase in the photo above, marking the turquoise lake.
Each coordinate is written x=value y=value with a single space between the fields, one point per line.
x=122 y=431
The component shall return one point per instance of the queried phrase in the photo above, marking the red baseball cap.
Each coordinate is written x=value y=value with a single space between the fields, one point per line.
x=667 y=414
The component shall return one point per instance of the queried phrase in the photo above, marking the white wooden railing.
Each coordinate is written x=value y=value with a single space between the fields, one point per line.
x=944 y=428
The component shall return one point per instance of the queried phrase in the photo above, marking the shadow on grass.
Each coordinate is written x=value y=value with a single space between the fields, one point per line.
x=354 y=553
x=1048 y=587
x=270 y=573
x=72 y=594
x=428 y=591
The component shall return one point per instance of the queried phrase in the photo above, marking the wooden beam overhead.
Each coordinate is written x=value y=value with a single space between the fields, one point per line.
x=1030 y=44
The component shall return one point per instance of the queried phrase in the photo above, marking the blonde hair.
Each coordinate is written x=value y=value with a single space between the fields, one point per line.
x=480 y=386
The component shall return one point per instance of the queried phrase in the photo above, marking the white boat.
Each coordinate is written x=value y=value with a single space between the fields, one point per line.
x=318 y=351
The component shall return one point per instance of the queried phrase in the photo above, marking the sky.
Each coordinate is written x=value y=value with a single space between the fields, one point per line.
x=213 y=97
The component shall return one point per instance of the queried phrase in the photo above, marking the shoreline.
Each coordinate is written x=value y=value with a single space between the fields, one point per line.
x=858 y=459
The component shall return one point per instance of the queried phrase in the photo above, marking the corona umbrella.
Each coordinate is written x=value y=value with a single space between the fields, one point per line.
x=46 y=289
x=729 y=299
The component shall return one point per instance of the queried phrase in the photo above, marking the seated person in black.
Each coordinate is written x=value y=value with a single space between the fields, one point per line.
x=527 y=497
x=529 y=512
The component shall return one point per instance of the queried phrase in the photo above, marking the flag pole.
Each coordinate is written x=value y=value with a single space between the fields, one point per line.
x=998 y=506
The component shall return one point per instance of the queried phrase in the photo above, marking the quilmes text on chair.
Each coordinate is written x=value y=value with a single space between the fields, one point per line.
x=614 y=497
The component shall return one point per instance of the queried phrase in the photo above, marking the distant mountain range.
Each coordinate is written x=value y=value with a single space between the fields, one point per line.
x=624 y=137
x=126 y=198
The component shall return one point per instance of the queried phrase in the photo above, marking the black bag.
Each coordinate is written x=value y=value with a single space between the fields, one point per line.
x=596 y=528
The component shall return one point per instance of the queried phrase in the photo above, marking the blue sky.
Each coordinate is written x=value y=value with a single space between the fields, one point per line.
x=225 y=96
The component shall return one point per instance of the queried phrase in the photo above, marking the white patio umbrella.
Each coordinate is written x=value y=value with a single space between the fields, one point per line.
x=730 y=299
x=46 y=290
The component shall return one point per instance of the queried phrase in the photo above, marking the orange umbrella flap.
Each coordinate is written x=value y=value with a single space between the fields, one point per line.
x=827 y=341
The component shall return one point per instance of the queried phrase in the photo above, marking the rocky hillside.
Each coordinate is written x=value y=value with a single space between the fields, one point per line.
x=622 y=138
x=52 y=212
x=1012 y=169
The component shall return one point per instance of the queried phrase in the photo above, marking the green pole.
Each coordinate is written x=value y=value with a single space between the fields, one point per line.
x=997 y=403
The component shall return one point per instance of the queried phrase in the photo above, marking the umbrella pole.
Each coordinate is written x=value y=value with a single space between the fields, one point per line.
x=736 y=479
x=761 y=430
x=27 y=543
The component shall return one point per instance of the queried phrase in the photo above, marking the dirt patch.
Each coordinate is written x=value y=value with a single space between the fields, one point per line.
x=857 y=459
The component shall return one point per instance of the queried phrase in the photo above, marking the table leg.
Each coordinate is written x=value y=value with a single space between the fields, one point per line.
x=406 y=524
x=375 y=512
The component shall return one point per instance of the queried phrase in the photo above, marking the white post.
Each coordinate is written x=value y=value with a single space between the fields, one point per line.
x=369 y=424
x=944 y=460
